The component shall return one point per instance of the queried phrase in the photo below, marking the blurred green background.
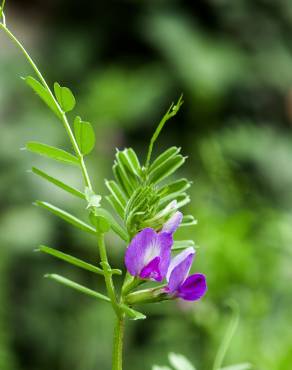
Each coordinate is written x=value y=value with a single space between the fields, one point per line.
x=126 y=61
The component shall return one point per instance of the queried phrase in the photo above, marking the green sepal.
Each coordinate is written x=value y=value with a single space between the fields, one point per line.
x=72 y=284
x=66 y=217
x=58 y=183
x=84 y=135
x=65 y=97
x=151 y=295
x=44 y=94
x=51 y=152
x=73 y=260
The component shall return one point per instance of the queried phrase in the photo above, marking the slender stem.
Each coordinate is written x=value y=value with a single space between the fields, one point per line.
x=172 y=111
x=156 y=134
x=62 y=113
x=118 y=343
x=107 y=274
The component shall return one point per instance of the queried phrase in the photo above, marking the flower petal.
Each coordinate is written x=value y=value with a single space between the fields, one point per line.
x=143 y=251
x=152 y=271
x=173 y=223
x=135 y=253
x=193 y=288
x=166 y=242
x=179 y=268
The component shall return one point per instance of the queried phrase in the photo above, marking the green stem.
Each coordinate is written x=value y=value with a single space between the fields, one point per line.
x=118 y=343
x=172 y=111
x=63 y=115
x=107 y=274
x=120 y=316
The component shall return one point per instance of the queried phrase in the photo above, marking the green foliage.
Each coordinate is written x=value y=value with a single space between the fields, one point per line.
x=85 y=136
x=73 y=260
x=52 y=152
x=80 y=288
x=43 y=93
x=65 y=97
x=73 y=220
x=58 y=183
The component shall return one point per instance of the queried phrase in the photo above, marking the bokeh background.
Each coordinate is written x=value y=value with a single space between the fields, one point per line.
x=127 y=61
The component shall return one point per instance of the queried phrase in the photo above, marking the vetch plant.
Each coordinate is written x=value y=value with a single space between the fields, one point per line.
x=145 y=212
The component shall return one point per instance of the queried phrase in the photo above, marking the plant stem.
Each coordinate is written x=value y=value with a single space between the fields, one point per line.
x=118 y=343
x=120 y=316
x=62 y=113
x=107 y=274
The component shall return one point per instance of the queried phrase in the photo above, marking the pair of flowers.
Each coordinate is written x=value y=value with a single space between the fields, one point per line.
x=149 y=257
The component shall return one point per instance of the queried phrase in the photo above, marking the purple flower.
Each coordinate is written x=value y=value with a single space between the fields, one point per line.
x=148 y=255
x=180 y=285
x=173 y=223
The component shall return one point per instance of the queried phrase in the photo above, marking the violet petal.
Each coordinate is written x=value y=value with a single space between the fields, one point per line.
x=145 y=247
x=193 y=288
x=152 y=271
x=179 y=269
